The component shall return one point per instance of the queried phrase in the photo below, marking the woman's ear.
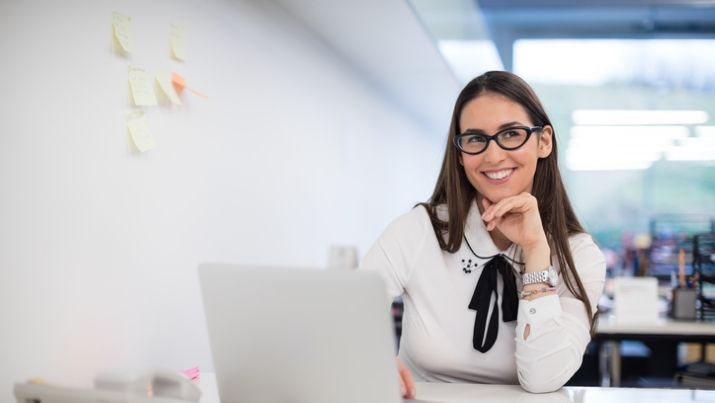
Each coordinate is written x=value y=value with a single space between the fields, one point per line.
x=545 y=141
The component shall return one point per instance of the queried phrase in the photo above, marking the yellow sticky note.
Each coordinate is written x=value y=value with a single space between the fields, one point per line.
x=120 y=26
x=164 y=80
x=141 y=87
x=139 y=132
x=178 y=50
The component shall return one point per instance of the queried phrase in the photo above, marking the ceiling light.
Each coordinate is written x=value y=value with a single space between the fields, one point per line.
x=606 y=148
x=692 y=151
x=705 y=131
x=638 y=117
x=600 y=165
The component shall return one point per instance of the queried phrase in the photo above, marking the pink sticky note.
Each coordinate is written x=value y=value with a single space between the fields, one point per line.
x=192 y=373
x=178 y=81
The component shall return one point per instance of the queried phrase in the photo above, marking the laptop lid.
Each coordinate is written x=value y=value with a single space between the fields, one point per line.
x=299 y=335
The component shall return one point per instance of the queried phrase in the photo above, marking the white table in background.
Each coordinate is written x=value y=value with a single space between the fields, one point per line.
x=610 y=333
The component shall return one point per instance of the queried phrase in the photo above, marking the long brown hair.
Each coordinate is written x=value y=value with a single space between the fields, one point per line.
x=454 y=189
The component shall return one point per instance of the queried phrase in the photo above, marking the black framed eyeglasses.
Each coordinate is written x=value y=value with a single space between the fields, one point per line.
x=508 y=139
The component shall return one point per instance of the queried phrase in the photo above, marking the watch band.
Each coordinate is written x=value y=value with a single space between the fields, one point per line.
x=535 y=277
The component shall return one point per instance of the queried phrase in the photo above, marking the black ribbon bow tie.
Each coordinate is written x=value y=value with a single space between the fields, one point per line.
x=486 y=286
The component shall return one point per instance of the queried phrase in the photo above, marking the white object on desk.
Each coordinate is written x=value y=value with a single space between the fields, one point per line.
x=636 y=299
x=167 y=387
x=209 y=388
x=342 y=257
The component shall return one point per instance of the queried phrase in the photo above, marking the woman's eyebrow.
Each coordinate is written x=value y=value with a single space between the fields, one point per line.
x=501 y=127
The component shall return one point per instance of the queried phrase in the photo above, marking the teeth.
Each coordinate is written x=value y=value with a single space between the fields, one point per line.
x=496 y=175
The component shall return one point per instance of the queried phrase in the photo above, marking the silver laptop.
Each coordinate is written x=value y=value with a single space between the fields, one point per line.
x=299 y=335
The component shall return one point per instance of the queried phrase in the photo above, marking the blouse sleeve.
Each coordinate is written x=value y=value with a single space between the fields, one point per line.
x=394 y=253
x=559 y=324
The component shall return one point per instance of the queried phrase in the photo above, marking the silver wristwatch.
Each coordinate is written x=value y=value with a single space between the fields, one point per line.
x=548 y=276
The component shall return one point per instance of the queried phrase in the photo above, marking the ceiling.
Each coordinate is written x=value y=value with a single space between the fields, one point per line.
x=505 y=21
x=395 y=44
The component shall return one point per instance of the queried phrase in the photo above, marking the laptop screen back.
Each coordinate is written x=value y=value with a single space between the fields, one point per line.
x=299 y=335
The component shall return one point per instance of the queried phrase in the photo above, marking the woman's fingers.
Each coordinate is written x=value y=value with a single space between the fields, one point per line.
x=406 y=382
x=516 y=217
x=515 y=204
x=493 y=223
x=486 y=203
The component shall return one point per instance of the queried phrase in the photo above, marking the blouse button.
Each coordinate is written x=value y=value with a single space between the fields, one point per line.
x=532 y=311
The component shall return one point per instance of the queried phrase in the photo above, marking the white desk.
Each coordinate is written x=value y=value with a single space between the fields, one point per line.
x=473 y=393
x=611 y=333
x=464 y=393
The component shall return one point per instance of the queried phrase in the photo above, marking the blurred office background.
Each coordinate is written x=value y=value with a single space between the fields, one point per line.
x=324 y=120
x=629 y=85
x=630 y=88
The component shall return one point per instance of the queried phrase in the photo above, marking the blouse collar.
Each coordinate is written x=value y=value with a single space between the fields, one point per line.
x=478 y=237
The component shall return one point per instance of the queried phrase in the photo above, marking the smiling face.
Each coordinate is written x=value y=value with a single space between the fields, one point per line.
x=497 y=173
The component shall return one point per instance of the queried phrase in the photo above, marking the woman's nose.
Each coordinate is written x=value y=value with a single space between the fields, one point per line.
x=494 y=153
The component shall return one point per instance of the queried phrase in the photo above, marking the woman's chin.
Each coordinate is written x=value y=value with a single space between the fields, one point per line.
x=497 y=195
x=494 y=197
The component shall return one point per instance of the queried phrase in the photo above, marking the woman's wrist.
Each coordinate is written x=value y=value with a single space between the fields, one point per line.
x=537 y=257
x=539 y=295
x=541 y=291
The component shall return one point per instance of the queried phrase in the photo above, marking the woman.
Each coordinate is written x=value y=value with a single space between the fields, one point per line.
x=499 y=280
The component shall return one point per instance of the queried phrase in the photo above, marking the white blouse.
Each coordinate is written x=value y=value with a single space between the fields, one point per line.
x=437 y=324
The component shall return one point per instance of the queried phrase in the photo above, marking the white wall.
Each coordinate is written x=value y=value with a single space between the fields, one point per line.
x=292 y=151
